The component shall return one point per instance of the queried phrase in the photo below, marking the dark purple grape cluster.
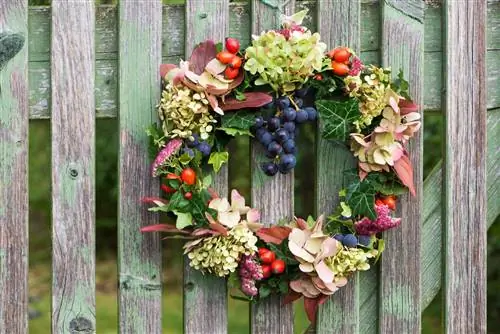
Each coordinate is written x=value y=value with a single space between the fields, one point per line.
x=196 y=144
x=277 y=133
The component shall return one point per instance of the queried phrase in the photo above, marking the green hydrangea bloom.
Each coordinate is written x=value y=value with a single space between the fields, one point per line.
x=349 y=260
x=219 y=255
x=184 y=112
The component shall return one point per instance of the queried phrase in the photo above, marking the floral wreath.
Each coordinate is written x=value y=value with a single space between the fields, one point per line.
x=285 y=78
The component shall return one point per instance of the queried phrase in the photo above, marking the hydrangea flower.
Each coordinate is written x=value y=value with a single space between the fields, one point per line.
x=230 y=215
x=383 y=222
x=349 y=260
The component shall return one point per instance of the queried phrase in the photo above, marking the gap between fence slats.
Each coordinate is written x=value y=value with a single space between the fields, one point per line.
x=341 y=311
x=272 y=195
x=399 y=284
x=14 y=115
x=205 y=296
x=139 y=255
x=73 y=167
x=464 y=214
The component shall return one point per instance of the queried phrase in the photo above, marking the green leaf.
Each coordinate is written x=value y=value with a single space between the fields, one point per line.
x=207 y=181
x=338 y=117
x=183 y=219
x=238 y=120
x=264 y=291
x=185 y=159
x=346 y=210
x=380 y=248
x=217 y=159
x=236 y=132
x=362 y=200
x=175 y=200
x=283 y=287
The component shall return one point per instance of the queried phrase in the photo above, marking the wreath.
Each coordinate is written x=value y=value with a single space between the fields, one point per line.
x=286 y=77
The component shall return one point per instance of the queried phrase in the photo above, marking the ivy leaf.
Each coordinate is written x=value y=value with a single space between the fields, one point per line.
x=346 y=210
x=217 y=159
x=264 y=291
x=207 y=181
x=184 y=219
x=239 y=120
x=236 y=132
x=362 y=201
x=337 y=117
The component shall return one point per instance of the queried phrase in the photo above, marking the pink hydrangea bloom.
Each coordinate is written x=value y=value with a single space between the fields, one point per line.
x=171 y=148
x=356 y=67
x=383 y=222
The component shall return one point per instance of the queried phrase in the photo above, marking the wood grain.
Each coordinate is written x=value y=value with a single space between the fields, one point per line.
x=139 y=255
x=399 y=284
x=205 y=296
x=272 y=195
x=73 y=167
x=173 y=36
x=465 y=168
x=341 y=312
x=14 y=115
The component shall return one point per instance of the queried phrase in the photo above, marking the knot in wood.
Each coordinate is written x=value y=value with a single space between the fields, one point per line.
x=189 y=286
x=81 y=325
x=203 y=15
x=10 y=45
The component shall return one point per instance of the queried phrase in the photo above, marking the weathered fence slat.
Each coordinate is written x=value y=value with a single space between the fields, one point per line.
x=73 y=166
x=399 y=284
x=465 y=168
x=338 y=24
x=139 y=255
x=273 y=196
x=205 y=296
x=13 y=167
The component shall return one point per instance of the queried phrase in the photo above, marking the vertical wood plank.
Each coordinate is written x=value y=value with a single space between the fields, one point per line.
x=272 y=195
x=205 y=296
x=465 y=168
x=73 y=167
x=340 y=314
x=14 y=166
x=403 y=48
x=139 y=256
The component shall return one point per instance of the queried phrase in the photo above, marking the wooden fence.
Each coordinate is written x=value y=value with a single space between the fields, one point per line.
x=80 y=62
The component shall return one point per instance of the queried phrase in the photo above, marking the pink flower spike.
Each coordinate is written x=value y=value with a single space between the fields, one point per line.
x=171 y=148
x=383 y=222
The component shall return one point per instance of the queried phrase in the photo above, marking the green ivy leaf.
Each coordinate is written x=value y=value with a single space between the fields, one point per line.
x=380 y=248
x=184 y=219
x=217 y=159
x=185 y=159
x=207 y=181
x=362 y=201
x=337 y=117
x=238 y=120
x=264 y=291
x=346 y=210
x=236 y=132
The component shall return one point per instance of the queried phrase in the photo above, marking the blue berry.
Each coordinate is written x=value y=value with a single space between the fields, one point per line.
x=312 y=114
x=194 y=142
x=281 y=135
x=301 y=116
x=283 y=102
x=264 y=136
x=289 y=114
x=289 y=127
x=204 y=148
x=364 y=240
x=289 y=146
x=188 y=151
x=299 y=102
x=269 y=168
x=259 y=122
x=274 y=148
x=273 y=123
x=288 y=160
x=350 y=240
x=339 y=237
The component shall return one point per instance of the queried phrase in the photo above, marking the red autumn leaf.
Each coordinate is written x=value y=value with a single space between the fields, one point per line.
x=291 y=297
x=407 y=106
x=322 y=299
x=301 y=223
x=202 y=54
x=161 y=228
x=165 y=68
x=252 y=100
x=404 y=171
x=311 y=307
x=274 y=234
x=153 y=200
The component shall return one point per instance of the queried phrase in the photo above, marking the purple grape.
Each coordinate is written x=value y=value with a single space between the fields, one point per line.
x=188 y=151
x=274 y=148
x=273 y=124
x=281 y=135
x=289 y=146
x=299 y=102
x=283 y=102
x=364 y=240
x=339 y=237
x=288 y=160
x=350 y=240
x=194 y=142
x=289 y=114
x=269 y=168
x=204 y=148
x=301 y=116
x=258 y=122
x=312 y=114
x=289 y=127
x=301 y=92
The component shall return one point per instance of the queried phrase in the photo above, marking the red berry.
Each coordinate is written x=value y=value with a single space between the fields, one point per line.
x=268 y=257
x=318 y=77
x=232 y=45
x=340 y=69
x=188 y=176
x=341 y=55
x=231 y=72
x=266 y=271
x=278 y=266
x=172 y=176
x=378 y=202
x=263 y=250
x=390 y=201
x=225 y=57
x=188 y=195
x=235 y=62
